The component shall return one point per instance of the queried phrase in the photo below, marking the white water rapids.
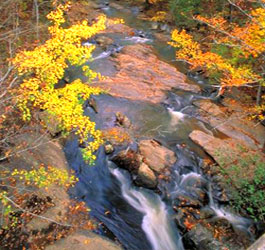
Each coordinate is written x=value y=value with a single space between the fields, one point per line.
x=156 y=222
x=238 y=222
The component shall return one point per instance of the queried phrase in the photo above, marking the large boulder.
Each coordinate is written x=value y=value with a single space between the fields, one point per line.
x=104 y=41
x=233 y=156
x=128 y=159
x=122 y=120
x=208 y=106
x=148 y=163
x=142 y=76
x=146 y=177
x=259 y=244
x=232 y=123
x=41 y=149
x=156 y=156
x=223 y=151
x=84 y=240
x=201 y=238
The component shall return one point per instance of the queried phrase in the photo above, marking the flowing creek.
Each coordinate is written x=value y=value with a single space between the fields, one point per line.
x=140 y=218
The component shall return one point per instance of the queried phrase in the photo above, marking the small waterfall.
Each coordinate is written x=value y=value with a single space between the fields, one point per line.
x=137 y=39
x=87 y=44
x=185 y=183
x=156 y=222
x=107 y=53
x=176 y=117
x=238 y=222
x=103 y=55
x=190 y=177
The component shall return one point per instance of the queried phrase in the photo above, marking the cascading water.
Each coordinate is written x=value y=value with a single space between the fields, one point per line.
x=156 y=222
x=139 y=218
x=137 y=39
x=239 y=223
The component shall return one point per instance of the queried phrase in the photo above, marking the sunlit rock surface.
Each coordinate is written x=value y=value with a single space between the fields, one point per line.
x=142 y=76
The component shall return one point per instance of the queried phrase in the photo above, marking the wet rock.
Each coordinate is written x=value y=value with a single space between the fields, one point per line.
x=109 y=149
x=150 y=159
x=201 y=238
x=146 y=177
x=103 y=5
x=128 y=159
x=117 y=136
x=122 y=120
x=164 y=177
x=259 y=227
x=238 y=129
x=219 y=222
x=104 y=41
x=179 y=219
x=92 y=103
x=188 y=201
x=198 y=71
x=234 y=132
x=156 y=156
x=164 y=27
x=154 y=26
x=162 y=37
x=237 y=236
x=200 y=195
x=80 y=11
x=206 y=213
x=119 y=7
x=142 y=76
x=259 y=244
x=222 y=196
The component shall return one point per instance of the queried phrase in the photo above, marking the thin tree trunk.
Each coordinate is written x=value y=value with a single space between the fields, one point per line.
x=36 y=6
x=231 y=7
x=258 y=101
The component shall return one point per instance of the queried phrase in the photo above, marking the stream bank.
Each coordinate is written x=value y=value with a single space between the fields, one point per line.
x=51 y=204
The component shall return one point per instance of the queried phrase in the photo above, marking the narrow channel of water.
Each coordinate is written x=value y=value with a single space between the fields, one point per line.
x=156 y=223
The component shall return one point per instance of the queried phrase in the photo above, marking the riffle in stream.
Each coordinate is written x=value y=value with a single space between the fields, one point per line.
x=137 y=217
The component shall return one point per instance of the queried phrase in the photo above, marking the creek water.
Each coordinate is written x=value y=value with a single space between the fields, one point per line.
x=139 y=218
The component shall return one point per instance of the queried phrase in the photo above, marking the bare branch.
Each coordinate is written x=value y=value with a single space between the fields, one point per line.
x=36 y=215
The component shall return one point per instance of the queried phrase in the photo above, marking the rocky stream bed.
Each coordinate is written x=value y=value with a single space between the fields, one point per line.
x=153 y=190
x=152 y=186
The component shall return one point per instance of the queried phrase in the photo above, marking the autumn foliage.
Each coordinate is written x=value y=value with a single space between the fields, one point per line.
x=232 y=53
x=44 y=66
x=248 y=44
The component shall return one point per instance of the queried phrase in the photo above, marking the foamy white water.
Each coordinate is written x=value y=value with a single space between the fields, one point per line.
x=103 y=55
x=137 y=39
x=235 y=220
x=87 y=44
x=176 y=117
x=156 y=223
x=186 y=178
